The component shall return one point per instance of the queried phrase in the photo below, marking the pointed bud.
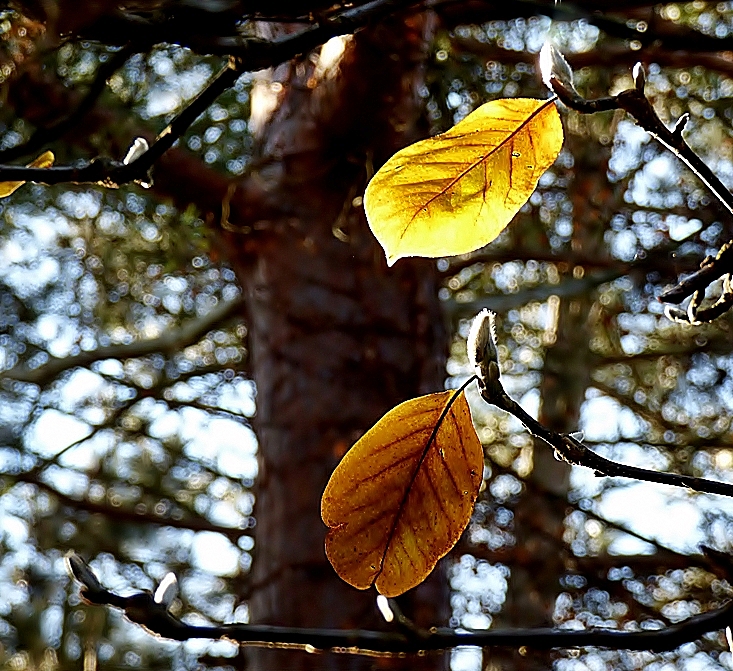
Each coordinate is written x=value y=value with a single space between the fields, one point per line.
x=167 y=590
x=553 y=64
x=81 y=572
x=136 y=150
x=481 y=346
x=384 y=609
x=639 y=77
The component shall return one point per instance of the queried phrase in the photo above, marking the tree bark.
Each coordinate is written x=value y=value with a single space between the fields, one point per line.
x=336 y=338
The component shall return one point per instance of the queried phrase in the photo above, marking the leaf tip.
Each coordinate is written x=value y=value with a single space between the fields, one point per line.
x=45 y=160
x=392 y=258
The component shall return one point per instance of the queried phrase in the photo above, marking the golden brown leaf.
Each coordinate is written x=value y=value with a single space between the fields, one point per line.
x=456 y=192
x=403 y=494
x=45 y=160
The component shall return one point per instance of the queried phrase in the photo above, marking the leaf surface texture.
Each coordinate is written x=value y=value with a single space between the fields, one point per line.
x=403 y=494
x=455 y=192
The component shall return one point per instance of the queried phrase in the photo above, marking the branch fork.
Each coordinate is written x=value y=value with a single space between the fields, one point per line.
x=635 y=102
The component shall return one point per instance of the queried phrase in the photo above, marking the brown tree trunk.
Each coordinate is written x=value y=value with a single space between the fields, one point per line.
x=336 y=338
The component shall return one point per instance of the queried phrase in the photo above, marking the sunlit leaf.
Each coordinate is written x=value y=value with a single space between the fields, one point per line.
x=45 y=160
x=456 y=192
x=403 y=494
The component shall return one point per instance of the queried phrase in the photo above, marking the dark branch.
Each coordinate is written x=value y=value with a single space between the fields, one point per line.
x=219 y=31
x=112 y=173
x=251 y=54
x=43 y=136
x=573 y=451
x=634 y=102
x=711 y=269
x=127 y=515
x=142 y=609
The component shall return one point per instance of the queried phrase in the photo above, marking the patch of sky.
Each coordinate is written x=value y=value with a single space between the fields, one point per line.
x=217 y=649
x=29 y=272
x=571 y=36
x=681 y=228
x=214 y=553
x=53 y=431
x=703 y=372
x=236 y=448
x=656 y=184
x=71 y=483
x=58 y=333
x=178 y=88
x=628 y=150
x=466 y=658
x=80 y=205
x=640 y=323
x=656 y=512
x=51 y=625
x=479 y=591
x=225 y=515
x=633 y=344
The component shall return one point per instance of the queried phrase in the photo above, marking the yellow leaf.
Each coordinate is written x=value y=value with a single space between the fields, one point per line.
x=45 y=160
x=403 y=494
x=456 y=192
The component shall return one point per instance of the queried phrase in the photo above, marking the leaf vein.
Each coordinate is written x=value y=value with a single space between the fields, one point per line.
x=484 y=158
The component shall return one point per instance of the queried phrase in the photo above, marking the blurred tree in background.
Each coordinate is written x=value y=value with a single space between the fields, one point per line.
x=141 y=328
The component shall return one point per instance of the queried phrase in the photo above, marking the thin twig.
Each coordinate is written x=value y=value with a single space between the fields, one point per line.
x=112 y=173
x=711 y=269
x=567 y=447
x=635 y=103
x=253 y=54
x=43 y=136
x=574 y=452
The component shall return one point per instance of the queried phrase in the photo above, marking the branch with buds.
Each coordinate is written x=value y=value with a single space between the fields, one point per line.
x=558 y=76
x=482 y=354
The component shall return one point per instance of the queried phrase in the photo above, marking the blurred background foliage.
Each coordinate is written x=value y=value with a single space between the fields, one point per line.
x=143 y=461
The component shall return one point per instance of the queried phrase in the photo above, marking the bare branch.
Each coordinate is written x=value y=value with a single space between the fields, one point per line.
x=574 y=452
x=142 y=609
x=112 y=173
x=42 y=136
x=694 y=285
x=635 y=103
x=251 y=54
